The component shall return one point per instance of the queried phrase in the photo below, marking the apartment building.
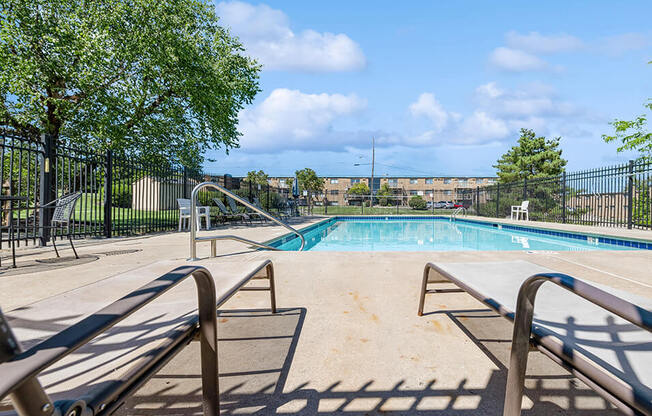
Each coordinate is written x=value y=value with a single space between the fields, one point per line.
x=430 y=188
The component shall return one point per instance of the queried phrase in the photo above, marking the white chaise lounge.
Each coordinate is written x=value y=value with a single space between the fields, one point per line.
x=89 y=360
x=601 y=335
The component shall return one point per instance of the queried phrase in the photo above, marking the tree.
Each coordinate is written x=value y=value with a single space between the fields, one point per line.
x=383 y=194
x=258 y=178
x=310 y=182
x=633 y=135
x=533 y=157
x=155 y=79
x=416 y=202
x=359 y=188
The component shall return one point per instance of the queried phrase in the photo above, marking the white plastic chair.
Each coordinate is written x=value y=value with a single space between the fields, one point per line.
x=521 y=209
x=184 y=214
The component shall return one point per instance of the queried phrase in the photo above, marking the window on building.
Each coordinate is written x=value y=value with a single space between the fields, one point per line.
x=463 y=181
x=334 y=192
x=281 y=182
x=413 y=192
x=447 y=181
x=354 y=181
x=491 y=181
x=392 y=181
x=414 y=181
x=334 y=181
x=334 y=203
x=448 y=192
x=429 y=181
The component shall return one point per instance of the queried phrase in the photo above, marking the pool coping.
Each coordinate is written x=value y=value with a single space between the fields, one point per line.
x=589 y=237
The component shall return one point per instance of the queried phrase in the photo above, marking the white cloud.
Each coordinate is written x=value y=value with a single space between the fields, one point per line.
x=535 y=42
x=489 y=90
x=515 y=60
x=291 y=119
x=481 y=127
x=428 y=106
x=267 y=36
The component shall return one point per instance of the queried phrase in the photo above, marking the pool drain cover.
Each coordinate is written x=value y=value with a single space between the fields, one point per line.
x=120 y=252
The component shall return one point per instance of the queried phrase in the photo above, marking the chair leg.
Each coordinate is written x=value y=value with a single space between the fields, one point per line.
x=55 y=246
x=180 y=219
x=73 y=246
x=272 y=287
x=424 y=286
x=208 y=221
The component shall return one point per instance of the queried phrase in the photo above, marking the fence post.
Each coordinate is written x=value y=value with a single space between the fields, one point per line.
x=477 y=200
x=46 y=190
x=630 y=194
x=185 y=183
x=325 y=206
x=498 y=200
x=563 y=197
x=267 y=196
x=108 y=194
x=524 y=189
x=250 y=198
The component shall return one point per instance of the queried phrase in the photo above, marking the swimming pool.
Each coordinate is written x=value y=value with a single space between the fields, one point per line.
x=440 y=234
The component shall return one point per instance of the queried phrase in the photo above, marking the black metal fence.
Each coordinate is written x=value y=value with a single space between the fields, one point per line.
x=120 y=196
x=615 y=196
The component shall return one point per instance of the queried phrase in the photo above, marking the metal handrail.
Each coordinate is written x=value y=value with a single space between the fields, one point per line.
x=19 y=374
x=523 y=316
x=457 y=211
x=193 y=219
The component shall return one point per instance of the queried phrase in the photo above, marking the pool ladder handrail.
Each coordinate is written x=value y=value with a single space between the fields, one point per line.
x=457 y=211
x=193 y=218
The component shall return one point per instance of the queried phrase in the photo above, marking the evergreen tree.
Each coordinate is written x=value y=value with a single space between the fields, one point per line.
x=533 y=157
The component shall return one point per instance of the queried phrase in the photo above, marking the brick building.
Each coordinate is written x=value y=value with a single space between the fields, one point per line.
x=430 y=188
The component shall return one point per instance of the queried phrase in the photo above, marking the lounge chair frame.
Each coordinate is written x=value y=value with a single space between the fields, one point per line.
x=524 y=340
x=20 y=368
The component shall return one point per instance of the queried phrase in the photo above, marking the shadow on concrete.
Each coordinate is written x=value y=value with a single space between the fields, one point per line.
x=257 y=349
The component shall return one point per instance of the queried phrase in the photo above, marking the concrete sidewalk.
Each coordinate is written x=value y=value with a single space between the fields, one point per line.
x=348 y=339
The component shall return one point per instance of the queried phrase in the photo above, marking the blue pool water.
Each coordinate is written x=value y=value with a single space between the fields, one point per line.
x=433 y=234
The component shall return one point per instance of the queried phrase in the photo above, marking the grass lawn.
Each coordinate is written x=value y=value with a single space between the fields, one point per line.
x=377 y=210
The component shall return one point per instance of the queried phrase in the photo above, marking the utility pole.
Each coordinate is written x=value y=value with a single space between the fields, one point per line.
x=373 y=162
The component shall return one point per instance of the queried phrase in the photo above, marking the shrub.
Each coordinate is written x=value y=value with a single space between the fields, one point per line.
x=121 y=194
x=416 y=202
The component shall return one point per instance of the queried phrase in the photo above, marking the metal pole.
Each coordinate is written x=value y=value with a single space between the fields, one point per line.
x=373 y=163
x=630 y=194
x=497 y=200
x=477 y=200
x=563 y=197
x=46 y=194
x=108 y=193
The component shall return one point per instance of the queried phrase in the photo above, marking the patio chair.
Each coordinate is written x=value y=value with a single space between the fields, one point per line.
x=279 y=215
x=63 y=209
x=518 y=210
x=90 y=361
x=229 y=213
x=600 y=334
x=253 y=213
x=184 y=214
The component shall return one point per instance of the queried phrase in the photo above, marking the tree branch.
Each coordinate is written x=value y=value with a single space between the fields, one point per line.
x=142 y=112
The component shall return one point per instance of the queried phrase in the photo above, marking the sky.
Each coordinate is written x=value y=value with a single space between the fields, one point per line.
x=442 y=87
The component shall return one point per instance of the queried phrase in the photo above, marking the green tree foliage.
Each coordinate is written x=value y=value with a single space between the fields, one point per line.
x=153 y=78
x=383 y=194
x=310 y=182
x=359 y=188
x=416 y=202
x=533 y=157
x=633 y=134
x=258 y=178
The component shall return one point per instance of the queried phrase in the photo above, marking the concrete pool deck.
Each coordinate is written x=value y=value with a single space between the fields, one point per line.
x=348 y=339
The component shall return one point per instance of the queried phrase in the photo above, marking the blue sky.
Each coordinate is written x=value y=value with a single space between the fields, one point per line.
x=444 y=87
